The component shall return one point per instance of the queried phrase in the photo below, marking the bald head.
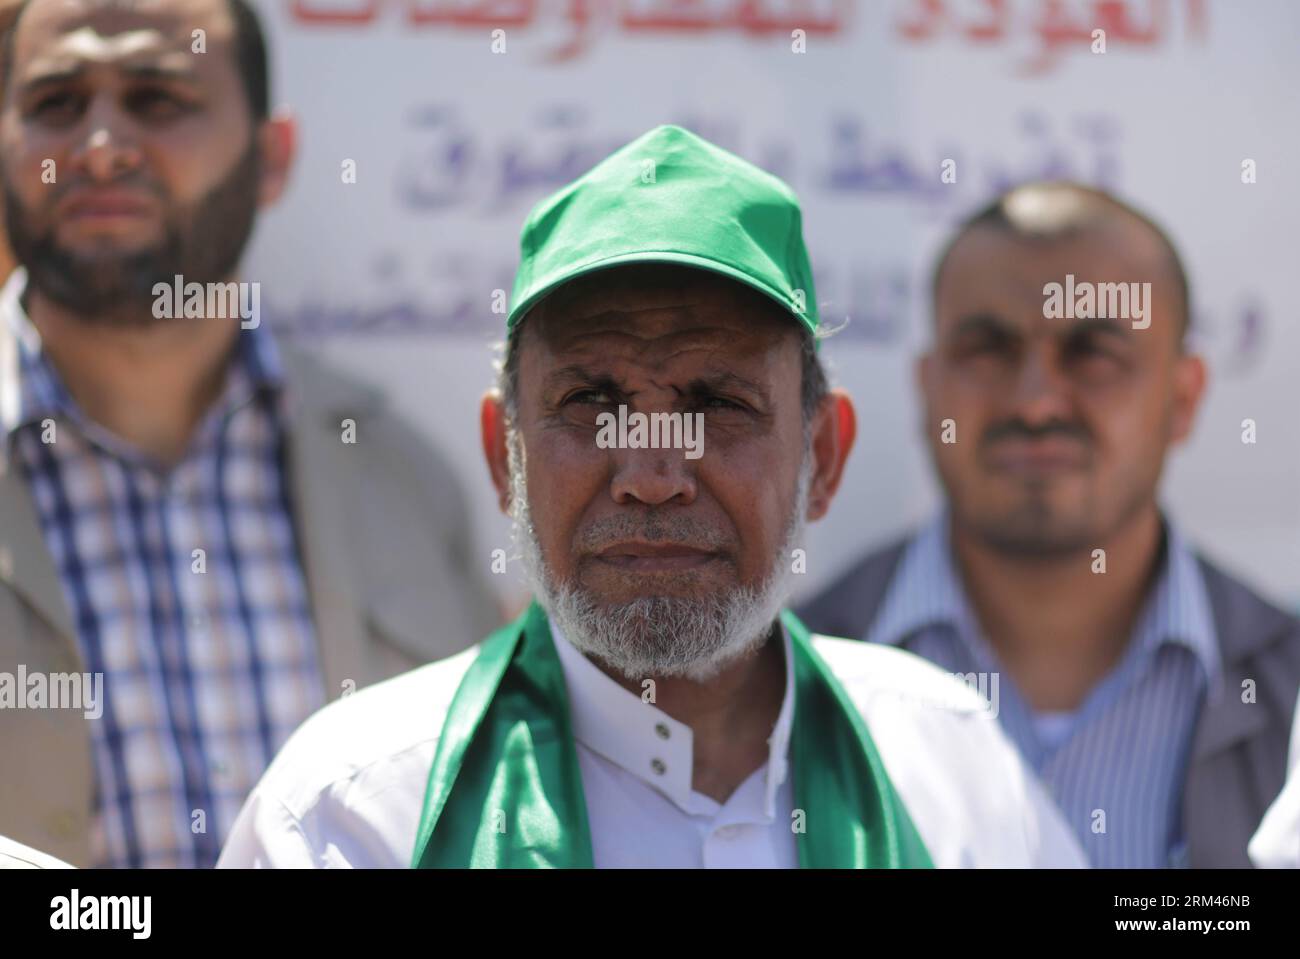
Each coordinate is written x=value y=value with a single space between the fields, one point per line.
x=1057 y=214
x=1067 y=414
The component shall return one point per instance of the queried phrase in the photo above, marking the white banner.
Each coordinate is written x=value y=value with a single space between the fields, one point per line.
x=430 y=127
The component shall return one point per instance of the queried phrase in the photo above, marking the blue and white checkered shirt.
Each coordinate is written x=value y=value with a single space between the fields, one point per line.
x=1116 y=766
x=209 y=658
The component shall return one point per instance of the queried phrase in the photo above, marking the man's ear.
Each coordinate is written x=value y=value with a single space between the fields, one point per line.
x=835 y=427
x=278 y=141
x=1189 y=386
x=492 y=421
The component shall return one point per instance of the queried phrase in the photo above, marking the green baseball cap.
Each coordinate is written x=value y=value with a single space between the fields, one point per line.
x=670 y=196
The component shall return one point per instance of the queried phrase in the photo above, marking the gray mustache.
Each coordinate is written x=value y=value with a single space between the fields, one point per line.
x=678 y=530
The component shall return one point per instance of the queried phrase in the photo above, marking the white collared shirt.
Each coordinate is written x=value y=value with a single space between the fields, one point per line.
x=636 y=764
x=348 y=788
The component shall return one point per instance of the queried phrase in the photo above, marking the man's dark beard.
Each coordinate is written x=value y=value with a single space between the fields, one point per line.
x=202 y=244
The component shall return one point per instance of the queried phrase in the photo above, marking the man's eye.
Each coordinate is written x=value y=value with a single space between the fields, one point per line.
x=57 y=107
x=719 y=403
x=155 y=104
x=987 y=345
x=1087 y=347
x=588 y=396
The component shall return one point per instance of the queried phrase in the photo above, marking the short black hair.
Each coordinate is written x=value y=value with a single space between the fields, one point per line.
x=251 y=58
x=250 y=55
x=1067 y=209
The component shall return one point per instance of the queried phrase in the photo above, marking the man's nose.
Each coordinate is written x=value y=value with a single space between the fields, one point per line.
x=652 y=477
x=109 y=145
x=1041 y=387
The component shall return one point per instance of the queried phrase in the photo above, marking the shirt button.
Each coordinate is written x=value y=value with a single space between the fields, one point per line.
x=658 y=766
x=662 y=730
x=728 y=832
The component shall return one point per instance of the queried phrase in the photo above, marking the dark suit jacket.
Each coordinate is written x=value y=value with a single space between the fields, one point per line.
x=1238 y=760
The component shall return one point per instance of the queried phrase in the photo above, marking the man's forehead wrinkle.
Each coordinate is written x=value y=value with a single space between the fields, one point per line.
x=669 y=335
x=634 y=309
x=645 y=337
x=663 y=319
x=709 y=349
x=704 y=294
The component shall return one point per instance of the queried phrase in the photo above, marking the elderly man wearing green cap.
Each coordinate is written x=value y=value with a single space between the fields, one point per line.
x=655 y=706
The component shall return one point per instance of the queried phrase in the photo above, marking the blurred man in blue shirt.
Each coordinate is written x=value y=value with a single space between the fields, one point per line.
x=1151 y=691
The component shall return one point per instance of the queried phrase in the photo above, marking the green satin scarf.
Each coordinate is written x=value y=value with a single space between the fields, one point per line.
x=505 y=790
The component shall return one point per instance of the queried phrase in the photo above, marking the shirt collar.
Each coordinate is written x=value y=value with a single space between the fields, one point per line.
x=1178 y=610
x=926 y=590
x=32 y=390
x=642 y=739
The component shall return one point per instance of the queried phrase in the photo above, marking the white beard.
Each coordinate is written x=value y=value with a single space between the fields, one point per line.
x=660 y=636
